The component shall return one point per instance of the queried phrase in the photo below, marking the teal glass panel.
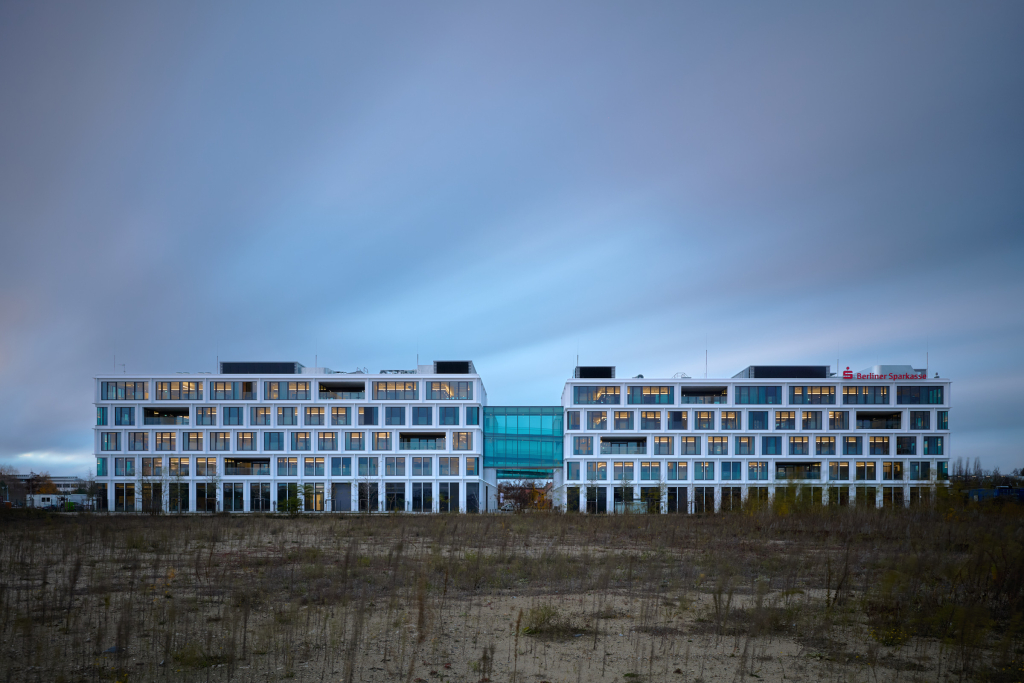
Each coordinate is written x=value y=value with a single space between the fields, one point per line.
x=523 y=438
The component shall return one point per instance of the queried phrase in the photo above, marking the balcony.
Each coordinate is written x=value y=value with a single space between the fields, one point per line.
x=879 y=420
x=798 y=471
x=421 y=442
x=331 y=391
x=624 y=446
x=165 y=416
x=247 y=468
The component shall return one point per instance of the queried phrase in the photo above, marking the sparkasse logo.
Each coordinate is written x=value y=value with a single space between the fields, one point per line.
x=847 y=374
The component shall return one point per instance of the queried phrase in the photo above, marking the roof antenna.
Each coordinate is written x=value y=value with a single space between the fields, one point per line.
x=705 y=356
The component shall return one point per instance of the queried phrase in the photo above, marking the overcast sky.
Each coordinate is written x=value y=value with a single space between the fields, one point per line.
x=794 y=183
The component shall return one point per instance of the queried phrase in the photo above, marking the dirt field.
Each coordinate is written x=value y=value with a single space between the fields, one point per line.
x=830 y=595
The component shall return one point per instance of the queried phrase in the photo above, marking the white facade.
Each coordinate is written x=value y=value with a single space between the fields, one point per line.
x=321 y=440
x=696 y=445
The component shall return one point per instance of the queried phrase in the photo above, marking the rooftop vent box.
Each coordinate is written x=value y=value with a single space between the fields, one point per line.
x=595 y=372
x=784 y=372
x=260 y=368
x=454 y=367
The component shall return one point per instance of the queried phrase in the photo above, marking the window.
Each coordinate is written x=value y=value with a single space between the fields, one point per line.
x=177 y=498
x=703 y=471
x=381 y=441
x=447 y=415
x=367 y=415
x=920 y=470
x=473 y=417
x=866 y=395
x=179 y=391
x=193 y=441
x=287 y=467
x=942 y=470
x=732 y=471
x=744 y=445
x=232 y=416
x=942 y=421
x=906 y=445
x=125 y=467
x=650 y=419
x=920 y=419
x=838 y=419
x=650 y=471
x=297 y=391
x=649 y=395
x=220 y=441
x=355 y=441
x=422 y=497
x=595 y=395
x=865 y=471
x=757 y=470
x=825 y=445
x=932 y=445
x=422 y=466
x=124 y=417
x=597 y=419
x=718 y=445
x=624 y=419
x=421 y=415
x=811 y=419
x=879 y=420
x=676 y=420
x=425 y=442
x=301 y=441
x=704 y=419
x=798 y=445
x=152 y=467
x=622 y=471
x=462 y=441
x=273 y=441
x=708 y=395
x=730 y=419
x=918 y=394
x=327 y=441
x=165 y=441
x=597 y=471
x=232 y=391
x=138 y=441
x=689 y=445
x=101 y=416
x=313 y=467
x=259 y=417
x=663 y=445
x=450 y=391
x=245 y=441
x=314 y=417
x=892 y=471
x=839 y=471
x=341 y=467
x=785 y=419
x=473 y=466
x=341 y=417
x=572 y=471
x=287 y=417
x=677 y=471
x=878 y=445
x=851 y=445
x=394 y=416
x=572 y=419
x=583 y=445
x=812 y=395
x=124 y=391
x=396 y=391
x=206 y=467
x=757 y=419
x=206 y=417
x=759 y=395
x=178 y=467
x=447 y=467
x=771 y=445
x=110 y=441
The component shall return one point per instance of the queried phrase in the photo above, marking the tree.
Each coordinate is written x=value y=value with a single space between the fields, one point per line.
x=523 y=495
x=11 y=487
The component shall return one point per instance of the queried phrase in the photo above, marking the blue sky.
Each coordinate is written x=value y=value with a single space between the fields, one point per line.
x=516 y=184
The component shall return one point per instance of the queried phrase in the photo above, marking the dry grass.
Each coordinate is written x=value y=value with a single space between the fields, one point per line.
x=936 y=593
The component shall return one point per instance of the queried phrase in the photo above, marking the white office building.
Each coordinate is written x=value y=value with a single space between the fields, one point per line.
x=877 y=437
x=279 y=436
